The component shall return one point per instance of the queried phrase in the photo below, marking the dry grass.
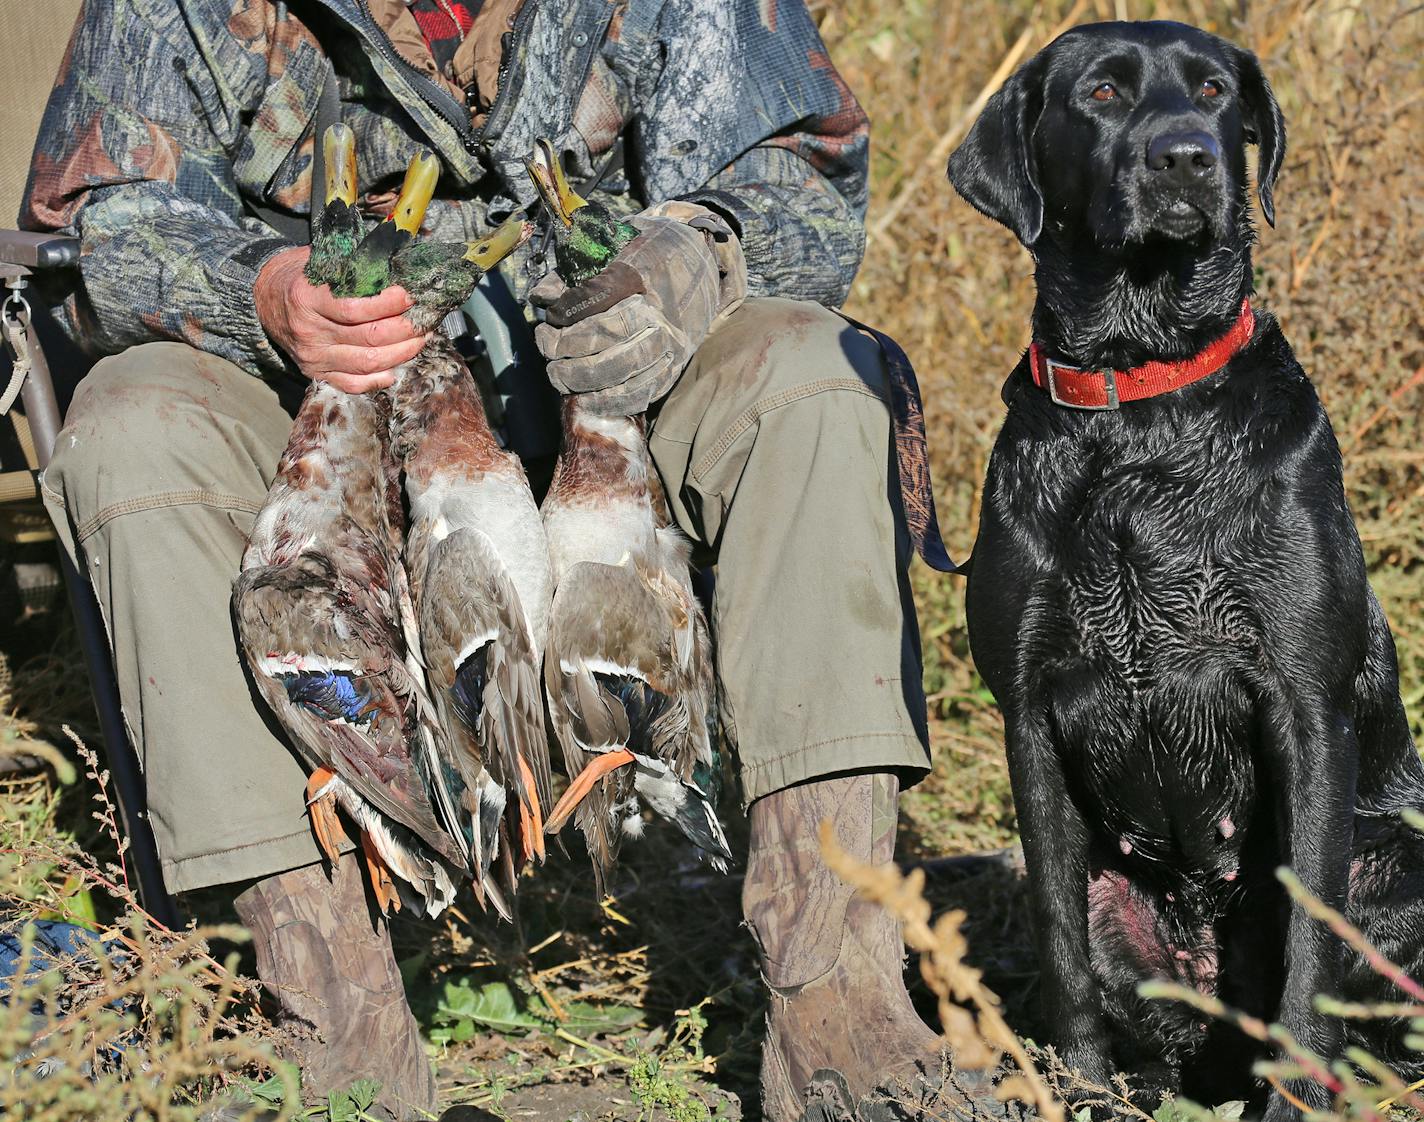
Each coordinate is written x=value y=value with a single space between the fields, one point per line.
x=147 y=1023
x=1360 y=1086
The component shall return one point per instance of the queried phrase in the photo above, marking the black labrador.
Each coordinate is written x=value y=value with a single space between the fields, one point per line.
x=1167 y=596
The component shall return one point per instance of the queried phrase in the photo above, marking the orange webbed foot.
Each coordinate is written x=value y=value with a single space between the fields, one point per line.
x=382 y=883
x=597 y=768
x=531 y=816
x=325 y=823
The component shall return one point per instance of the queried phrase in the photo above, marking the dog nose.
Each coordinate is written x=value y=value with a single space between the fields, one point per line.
x=1183 y=155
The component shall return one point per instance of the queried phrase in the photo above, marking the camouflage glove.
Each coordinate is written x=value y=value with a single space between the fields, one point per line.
x=623 y=338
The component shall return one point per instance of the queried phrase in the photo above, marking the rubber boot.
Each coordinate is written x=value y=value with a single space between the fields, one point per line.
x=327 y=961
x=843 y=1041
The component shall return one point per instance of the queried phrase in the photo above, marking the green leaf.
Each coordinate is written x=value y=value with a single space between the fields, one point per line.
x=492 y=1005
x=1168 y=1111
x=465 y=1008
x=268 y=1092
x=364 y=1091
x=587 y=1018
x=1083 y=1114
x=1230 y=1111
x=340 y=1108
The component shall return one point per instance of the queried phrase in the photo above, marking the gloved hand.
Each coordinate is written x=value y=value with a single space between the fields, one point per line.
x=623 y=338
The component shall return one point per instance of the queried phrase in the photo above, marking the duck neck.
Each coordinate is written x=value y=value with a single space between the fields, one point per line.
x=438 y=421
x=602 y=456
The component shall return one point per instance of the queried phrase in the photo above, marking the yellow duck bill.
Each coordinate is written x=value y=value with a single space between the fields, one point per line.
x=499 y=243
x=339 y=162
x=560 y=199
x=421 y=176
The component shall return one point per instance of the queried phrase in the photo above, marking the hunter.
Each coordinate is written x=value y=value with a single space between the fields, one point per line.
x=178 y=146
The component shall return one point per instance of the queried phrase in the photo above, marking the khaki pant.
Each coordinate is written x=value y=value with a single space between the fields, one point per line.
x=774 y=448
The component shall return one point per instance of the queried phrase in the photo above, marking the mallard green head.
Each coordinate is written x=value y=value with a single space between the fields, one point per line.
x=587 y=235
x=440 y=276
x=368 y=270
x=437 y=275
x=340 y=228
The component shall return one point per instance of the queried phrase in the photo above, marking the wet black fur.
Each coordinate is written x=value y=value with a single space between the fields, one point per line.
x=1169 y=601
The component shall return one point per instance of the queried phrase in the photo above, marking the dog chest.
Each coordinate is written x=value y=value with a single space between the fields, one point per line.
x=1161 y=752
x=1142 y=644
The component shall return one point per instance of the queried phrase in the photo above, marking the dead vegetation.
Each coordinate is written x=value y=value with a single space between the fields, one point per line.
x=649 y=1006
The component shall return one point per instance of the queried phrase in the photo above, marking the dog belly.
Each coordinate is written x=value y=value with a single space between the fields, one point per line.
x=1163 y=771
x=1132 y=937
x=1164 y=774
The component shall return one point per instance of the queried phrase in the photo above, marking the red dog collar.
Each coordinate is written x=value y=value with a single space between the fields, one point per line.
x=1107 y=389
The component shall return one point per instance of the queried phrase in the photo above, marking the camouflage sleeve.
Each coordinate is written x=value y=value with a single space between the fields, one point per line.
x=739 y=107
x=803 y=236
x=128 y=161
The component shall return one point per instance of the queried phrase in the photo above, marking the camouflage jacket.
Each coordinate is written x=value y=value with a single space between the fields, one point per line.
x=170 y=119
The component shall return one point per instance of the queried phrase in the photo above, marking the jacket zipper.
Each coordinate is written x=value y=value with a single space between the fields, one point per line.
x=449 y=110
x=507 y=53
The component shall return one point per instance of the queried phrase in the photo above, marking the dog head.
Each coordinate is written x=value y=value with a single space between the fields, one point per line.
x=1124 y=134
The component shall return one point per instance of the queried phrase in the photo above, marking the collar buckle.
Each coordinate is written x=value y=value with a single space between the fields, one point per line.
x=1051 y=368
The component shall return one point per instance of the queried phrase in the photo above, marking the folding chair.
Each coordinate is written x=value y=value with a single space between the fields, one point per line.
x=32 y=52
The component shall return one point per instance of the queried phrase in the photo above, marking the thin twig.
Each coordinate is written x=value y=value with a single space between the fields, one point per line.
x=942 y=948
x=1257 y=1029
x=1318 y=909
x=1385 y=1104
x=1416 y=379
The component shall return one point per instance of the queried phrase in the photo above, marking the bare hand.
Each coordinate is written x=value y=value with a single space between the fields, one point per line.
x=355 y=343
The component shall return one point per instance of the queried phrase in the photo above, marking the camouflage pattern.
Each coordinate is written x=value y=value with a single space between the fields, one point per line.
x=341 y=1009
x=621 y=363
x=830 y=957
x=172 y=119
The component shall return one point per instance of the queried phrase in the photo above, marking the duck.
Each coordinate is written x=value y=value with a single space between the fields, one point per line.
x=627 y=664
x=325 y=609
x=479 y=565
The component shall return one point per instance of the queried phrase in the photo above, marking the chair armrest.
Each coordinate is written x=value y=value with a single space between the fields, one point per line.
x=37 y=251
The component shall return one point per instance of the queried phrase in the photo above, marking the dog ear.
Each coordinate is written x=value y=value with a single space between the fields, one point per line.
x=1265 y=127
x=993 y=169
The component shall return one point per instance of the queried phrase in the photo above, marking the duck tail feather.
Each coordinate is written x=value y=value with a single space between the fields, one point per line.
x=601 y=834
x=496 y=687
x=489 y=812
x=497 y=901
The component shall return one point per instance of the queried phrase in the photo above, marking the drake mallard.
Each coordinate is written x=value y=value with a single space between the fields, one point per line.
x=627 y=665
x=325 y=611
x=479 y=566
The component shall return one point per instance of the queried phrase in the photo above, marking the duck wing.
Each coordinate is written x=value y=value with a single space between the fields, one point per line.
x=626 y=675
x=484 y=673
x=479 y=565
x=327 y=671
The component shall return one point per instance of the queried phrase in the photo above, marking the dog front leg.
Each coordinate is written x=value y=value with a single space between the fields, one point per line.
x=1315 y=761
x=1055 y=842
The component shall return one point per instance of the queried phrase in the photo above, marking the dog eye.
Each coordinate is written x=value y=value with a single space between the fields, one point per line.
x=1211 y=88
x=1104 y=92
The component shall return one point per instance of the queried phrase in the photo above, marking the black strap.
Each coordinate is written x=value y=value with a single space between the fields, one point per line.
x=294 y=228
x=328 y=113
x=912 y=458
x=612 y=164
